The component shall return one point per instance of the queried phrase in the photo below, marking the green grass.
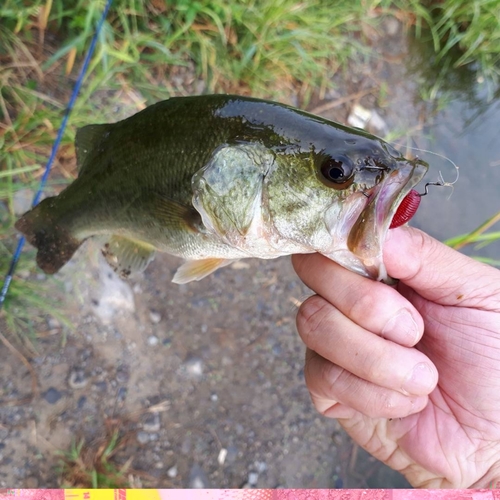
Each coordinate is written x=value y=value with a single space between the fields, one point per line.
x=479 y=237
x=457 y=43
x=93 y=465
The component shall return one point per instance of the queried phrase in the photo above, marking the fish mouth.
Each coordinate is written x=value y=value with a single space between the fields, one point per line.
x=366 y=218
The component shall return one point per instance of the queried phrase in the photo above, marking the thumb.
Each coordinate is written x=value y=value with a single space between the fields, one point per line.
x=439 y=273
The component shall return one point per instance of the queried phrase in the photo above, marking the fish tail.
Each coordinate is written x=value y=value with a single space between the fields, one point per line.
x=46 y=231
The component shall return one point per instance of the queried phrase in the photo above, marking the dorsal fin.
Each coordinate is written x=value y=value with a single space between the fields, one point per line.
x=87 y=141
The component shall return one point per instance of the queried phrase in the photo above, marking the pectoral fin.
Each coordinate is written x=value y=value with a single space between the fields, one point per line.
x=126 y=255
x=195 y=270
x=173 y=214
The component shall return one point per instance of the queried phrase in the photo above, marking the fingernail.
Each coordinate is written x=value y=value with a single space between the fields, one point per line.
x=403 y=327
x=420 y=381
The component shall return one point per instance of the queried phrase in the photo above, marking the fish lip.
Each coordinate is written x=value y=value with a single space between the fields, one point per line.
x=369 y=231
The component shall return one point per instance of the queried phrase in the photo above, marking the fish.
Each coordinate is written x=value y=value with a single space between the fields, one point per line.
x=217 y=178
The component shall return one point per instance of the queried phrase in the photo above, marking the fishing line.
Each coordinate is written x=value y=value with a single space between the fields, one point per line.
x=55 y=147
x=441 y=182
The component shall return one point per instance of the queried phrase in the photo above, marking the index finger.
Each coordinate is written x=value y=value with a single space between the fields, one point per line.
x=439 y=273
x=374 y=306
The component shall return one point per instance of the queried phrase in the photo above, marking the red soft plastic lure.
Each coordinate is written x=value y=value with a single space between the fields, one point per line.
x=406 y=209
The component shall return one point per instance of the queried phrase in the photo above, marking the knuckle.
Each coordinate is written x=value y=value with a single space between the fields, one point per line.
x=331 y=374
x=388 y=404
x=313 y=319
x=363 y=305
x=373 y=368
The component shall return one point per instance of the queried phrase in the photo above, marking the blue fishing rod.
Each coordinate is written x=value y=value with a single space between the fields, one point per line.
x=55 y=147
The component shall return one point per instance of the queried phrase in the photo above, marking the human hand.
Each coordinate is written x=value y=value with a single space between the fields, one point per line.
x=440 y=428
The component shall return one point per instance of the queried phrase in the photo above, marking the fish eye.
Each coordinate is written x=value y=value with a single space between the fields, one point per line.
x=337 y=172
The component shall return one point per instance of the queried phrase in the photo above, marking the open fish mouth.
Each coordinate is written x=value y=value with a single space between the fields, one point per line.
x=367 y=217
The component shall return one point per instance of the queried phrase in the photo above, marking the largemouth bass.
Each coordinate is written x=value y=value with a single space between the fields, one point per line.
x=218 y=178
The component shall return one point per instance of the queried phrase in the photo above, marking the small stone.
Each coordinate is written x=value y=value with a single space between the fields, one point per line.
x=197 y=477
x=142 y=437
x=122 y=394
x=222 y=456
x=253 y=477
x=153 y=341
x=277 y=350
x=172 y=472
x=22 y=201
x=260 y=466
x=100 y=386
x=214 y=397
x=232 y=453
x=52 y=395
x=53 y=323
x=194 y=366
x=77 y=379
x=115 y=295
x=391 y=26
x=152 y=422
x=121 y=375
x=154 y=317
x=31 y=482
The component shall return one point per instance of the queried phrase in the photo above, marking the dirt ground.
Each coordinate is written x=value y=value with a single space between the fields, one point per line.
x=204 y=381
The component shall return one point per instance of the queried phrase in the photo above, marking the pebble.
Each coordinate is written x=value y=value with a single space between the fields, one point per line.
x=143 y=437
x=31 y=482
x=222 y=456
x=253 y=477
x=53 y=323
x=100 y=386
x=194 y=367
x=172 y=472
x=260 y=466
x=122 y=394
x=232 y=453
x=52 y=395
x=121 y=375
x=154 y=317
x=153 y=340
x=152 y=422
x=77 y=379
x=115 y=295
x=197 y=477
x=22 y=201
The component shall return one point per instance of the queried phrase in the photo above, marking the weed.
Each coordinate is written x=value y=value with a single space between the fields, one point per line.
x=93 y=464
x=480 y=237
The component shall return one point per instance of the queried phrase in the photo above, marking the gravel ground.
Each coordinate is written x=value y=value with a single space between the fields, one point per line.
x=205 y=380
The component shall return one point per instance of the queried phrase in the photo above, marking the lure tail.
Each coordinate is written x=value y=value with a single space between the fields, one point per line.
x=47 y=232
